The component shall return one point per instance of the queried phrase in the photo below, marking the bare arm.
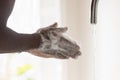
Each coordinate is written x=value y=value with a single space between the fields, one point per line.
x=11 y=41
x=47 y=42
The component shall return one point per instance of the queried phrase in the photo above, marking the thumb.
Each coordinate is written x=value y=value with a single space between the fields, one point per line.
x=55 y=25
x=60 y=30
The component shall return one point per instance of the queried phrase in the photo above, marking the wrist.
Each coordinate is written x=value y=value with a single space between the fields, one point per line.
x=36 y=40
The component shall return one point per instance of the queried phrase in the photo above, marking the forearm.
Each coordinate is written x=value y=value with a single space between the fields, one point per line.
x=10 y=41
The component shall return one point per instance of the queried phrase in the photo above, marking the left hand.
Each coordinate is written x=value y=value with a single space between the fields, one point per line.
x=55 y=45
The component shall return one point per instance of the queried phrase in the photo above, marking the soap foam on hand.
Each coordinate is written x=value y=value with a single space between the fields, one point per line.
x=72 y=48
x=56 y=43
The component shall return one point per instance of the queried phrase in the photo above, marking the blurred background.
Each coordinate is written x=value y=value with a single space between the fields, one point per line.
x=99 y=43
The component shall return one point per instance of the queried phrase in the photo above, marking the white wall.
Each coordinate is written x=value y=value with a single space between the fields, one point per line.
x=76 y=15
x=107 y=60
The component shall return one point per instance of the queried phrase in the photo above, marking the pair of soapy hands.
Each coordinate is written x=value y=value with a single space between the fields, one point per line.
x=54 y=44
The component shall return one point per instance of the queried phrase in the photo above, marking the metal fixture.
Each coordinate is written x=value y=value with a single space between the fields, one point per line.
x=94 y=11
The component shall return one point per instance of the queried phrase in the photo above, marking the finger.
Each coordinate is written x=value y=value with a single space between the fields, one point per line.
x=57 y=54
x=60 y=30
x=71 y=52
x=67 y=42
x=61 y=54
x=55 y=25
x=75 y=55
x=78 y=54
x=70 y=47
x=50 y=27
x=36 y=52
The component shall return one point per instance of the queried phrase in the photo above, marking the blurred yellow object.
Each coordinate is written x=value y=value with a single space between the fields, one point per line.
x=22 y=70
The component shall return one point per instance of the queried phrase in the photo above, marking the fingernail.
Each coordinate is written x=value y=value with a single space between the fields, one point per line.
x=55 y=24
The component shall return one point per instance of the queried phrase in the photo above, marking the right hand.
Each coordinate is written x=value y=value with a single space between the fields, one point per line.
x=55 y=45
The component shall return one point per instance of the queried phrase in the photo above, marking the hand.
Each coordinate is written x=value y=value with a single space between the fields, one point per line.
x=55 y=45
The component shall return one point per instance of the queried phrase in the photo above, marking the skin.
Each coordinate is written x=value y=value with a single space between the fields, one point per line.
x=11 y=41
x=47 y=42
x=55 y=44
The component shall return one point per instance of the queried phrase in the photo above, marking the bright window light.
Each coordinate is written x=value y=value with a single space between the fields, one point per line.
x=27 y=17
